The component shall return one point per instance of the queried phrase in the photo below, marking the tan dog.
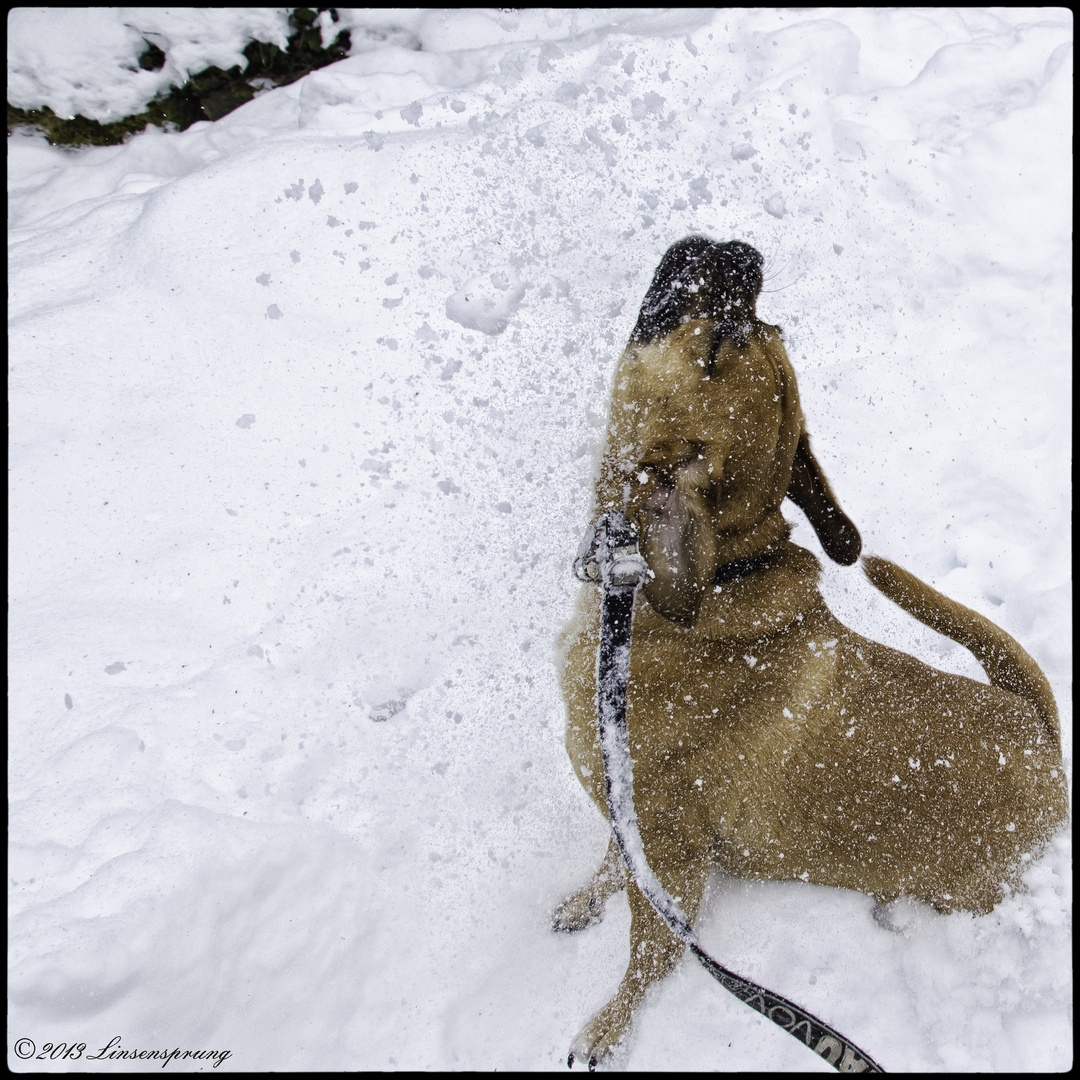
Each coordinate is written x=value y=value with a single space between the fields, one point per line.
x=766 y=737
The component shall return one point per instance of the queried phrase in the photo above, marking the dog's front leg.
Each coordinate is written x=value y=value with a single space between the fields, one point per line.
x=586 y=906
x=681 y=863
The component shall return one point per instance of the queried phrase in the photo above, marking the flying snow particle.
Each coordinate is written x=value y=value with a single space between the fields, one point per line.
x=774 y=205
x=487 y=301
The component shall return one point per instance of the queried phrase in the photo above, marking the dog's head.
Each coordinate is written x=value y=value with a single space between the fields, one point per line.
x=701 y=278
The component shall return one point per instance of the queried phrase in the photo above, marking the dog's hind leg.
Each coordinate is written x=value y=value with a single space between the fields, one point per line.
x=586 y=906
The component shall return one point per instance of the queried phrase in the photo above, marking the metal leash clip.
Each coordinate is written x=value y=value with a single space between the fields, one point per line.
x=608 y=553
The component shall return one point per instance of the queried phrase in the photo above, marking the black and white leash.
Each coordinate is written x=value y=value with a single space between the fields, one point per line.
x=611 y=557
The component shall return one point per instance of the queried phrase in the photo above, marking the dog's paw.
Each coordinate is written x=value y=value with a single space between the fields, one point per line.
x=581 y=910
x=602 y=1035
x=570 y=1059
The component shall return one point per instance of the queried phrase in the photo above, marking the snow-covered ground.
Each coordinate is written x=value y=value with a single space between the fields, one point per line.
x=304 y=408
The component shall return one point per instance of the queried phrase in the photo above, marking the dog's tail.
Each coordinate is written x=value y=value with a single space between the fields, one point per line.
x=1005 y=662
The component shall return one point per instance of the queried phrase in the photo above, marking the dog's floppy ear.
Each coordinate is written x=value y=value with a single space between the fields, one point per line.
x=810 y=492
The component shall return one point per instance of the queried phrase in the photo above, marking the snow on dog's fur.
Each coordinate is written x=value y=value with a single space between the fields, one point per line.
x=767 y=737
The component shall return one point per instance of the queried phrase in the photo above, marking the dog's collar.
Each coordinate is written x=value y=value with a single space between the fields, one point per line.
x=738 y=568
